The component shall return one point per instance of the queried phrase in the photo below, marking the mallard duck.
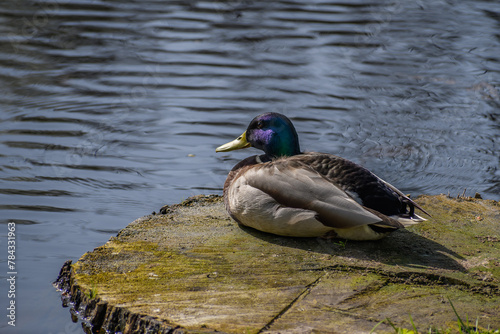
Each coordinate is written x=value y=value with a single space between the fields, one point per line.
x=291 y=193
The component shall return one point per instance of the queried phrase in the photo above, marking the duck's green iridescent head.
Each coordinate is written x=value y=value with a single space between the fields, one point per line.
x=271 y=132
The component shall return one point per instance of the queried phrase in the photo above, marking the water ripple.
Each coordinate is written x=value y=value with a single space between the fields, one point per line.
x=111 y=109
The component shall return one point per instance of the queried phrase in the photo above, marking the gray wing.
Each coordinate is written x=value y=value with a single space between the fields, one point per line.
x=295 y=185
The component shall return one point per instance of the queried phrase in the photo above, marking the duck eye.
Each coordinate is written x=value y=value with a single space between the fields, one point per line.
x=260 y=125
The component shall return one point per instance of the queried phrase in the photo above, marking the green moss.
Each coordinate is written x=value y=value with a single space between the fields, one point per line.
x=194 y=267
x=463 y=325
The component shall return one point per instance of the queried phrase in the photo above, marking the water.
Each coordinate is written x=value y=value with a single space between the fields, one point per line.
x=111 y=109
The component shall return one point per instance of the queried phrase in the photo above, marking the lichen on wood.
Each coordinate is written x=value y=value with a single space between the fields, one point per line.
x=191 y=269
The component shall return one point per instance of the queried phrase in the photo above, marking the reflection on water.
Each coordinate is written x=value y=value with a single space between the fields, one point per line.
x=104 y=103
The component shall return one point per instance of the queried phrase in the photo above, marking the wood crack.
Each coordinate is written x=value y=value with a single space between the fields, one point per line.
x=295 y=301
x=419 y=279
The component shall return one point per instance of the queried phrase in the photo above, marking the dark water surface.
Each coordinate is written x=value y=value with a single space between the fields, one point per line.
x=110 y=109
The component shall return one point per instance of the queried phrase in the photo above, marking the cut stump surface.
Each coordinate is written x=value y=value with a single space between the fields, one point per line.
x=194 y=270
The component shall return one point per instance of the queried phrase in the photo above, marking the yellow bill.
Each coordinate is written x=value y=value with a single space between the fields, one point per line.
x=238 y=143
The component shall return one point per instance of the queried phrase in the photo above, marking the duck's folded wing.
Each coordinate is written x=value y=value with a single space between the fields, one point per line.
x=409 y=200
x=298 y=186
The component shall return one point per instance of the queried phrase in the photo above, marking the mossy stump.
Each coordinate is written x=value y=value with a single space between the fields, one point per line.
x=192 y=269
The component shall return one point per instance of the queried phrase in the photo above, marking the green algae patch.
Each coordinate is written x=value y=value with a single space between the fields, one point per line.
x=191 y=269
x=470 y=227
